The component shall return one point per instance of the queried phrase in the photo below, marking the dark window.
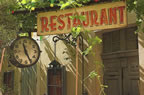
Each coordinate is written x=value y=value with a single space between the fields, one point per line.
x=107 y=42
x=55 y=83
x=8 y=81
x=56 y=79
x=120 y=40
x=131 y=39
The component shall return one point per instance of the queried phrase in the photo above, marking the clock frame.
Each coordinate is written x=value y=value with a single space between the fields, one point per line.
x=25 y=52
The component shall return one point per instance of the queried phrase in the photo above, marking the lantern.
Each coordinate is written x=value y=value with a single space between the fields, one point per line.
x=56 y=79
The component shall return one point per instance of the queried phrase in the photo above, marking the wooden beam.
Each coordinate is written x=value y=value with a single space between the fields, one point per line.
x=77 y=62
x=2 y=56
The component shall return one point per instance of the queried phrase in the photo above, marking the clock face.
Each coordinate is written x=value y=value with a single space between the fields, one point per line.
x=25 y=52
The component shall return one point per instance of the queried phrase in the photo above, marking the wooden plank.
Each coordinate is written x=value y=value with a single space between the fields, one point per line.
x=77 y=66
x=100 y=16
x=2 y=56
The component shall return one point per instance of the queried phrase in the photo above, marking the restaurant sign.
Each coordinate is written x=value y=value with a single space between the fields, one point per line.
x=99 y=16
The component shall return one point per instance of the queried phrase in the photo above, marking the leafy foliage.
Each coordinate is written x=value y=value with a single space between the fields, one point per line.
x=76 y=31
x=8 y=23
x=27 y=22
x=137 y=6
x=93 y=74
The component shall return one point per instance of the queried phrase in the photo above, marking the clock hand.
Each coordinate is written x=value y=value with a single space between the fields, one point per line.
x=26 y=53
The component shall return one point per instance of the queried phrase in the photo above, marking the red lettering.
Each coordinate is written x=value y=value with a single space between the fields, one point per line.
x=94 y=17
x=112 y=15
x=87 y=18
x=104 y=19
x=44 y=24
x=52 y=25
x=76 y=21
x=61 y=21
x=69 y=20
x=121 y=9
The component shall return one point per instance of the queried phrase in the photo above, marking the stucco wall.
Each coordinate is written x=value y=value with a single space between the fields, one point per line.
x=132 y=19
x=67 y=52
x=17 y=76
x=66 y=56
x=141 y=61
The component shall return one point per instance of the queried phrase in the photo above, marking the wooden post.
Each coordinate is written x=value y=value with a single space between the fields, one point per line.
x=3 y=51
x=77 y=57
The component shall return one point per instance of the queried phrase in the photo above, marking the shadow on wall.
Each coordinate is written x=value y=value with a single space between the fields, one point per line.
x=43 y=78
x=141 y=61
x=69 y=62
x=141 y=38
x=141 y=80
x=90 y=84
x=28 y=82
x=50 y=52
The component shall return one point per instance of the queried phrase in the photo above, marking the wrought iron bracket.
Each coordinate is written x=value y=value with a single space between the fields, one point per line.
x=68 y=38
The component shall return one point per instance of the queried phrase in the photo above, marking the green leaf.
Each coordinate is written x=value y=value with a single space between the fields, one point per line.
x=104 y=86
x=82 y=18
x=76 y=31
x=86 y=52
x=93 y=74
x=63 y=6
x=79 y=5
x=95 y=40
x=72 y=17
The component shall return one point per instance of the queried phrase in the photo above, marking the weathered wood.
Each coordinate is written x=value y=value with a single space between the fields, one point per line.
x=100 y=16
x=121 y=72
x=77 y=66
x=122 y=76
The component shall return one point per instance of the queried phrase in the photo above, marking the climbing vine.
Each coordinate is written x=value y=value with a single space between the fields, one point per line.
x=12 y=23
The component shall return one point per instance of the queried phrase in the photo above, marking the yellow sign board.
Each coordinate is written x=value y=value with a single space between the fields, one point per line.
x=100 y=16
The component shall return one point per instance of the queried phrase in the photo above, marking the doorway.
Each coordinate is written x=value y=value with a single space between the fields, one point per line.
x=120 y=58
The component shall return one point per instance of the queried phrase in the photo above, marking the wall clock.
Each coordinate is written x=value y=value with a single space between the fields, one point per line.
x=25 y=52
